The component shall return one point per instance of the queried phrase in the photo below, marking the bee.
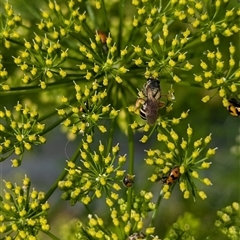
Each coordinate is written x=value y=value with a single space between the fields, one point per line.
x=128 y=180
x=151 y=104
x=136 y=236
x=172 y=176
x=151 y=89
x=234 y=107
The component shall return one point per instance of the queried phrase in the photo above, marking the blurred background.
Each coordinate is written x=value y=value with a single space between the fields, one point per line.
x=45 y=163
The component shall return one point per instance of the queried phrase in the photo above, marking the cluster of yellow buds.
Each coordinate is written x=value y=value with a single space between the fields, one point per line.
x=228 y=221
x=20 y=130
x=87 y=109
x=20 y=202
x=179 y=163
x=96 y=173
x=122 y=223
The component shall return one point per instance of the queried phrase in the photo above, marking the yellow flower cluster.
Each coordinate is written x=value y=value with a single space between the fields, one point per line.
x=19 y=202
x=23 y=122
x=179 y=161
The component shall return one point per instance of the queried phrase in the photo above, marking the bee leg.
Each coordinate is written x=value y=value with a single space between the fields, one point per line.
x=163 y=179
x=170 y=97
x=161 y=105
x=139 y=102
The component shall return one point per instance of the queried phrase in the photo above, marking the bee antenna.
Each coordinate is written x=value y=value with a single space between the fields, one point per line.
x=65 y=149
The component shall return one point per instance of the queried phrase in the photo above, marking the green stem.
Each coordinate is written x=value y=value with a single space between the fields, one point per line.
x=62 y=176
x=131 y=158
x=48 y=115
x=104 y=15
x=121 y=16
x=160 y=5
x=110 y=139
x=15 y=90
x=131 y=165
x=160 y=197
x=152 y=131
x=51 y=235
x=90 y=12
x=56 y=123
x=71 y=101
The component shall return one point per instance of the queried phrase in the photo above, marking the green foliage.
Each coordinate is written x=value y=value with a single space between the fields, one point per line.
x=228 y=221
x=91 y=69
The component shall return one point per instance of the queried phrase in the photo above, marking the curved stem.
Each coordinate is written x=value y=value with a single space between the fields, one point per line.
x=110 y=139
x=131 y=166
x=62 y=176
x=131 y=158
x=56 y=123
x=160 y=197
x=121 y=16
x=50 y=235
x=104 y=15
x=34 y=88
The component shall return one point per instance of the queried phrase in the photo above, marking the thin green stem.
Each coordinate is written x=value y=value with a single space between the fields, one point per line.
x=160 y=197
x=152 y=131
x=30 y=89
x=131 y=158
x=56 y=123
x=48 y=115
x=160 y=5
x=104 y=15
x=51 y=235
x=62 y=176
x=88 y=209
x=121 y=16
x=110 y=139
x=131 y=165
x=131 y=150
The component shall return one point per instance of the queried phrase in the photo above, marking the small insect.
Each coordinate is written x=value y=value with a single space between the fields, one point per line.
x=151 y=89
x=128 y=180
x=150 y=105
x=103 y=38
x=172 y=177
x=84 y=108
x=136 y=236
x=234 y=107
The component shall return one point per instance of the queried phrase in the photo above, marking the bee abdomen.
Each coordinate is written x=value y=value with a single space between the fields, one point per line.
x=143 y=111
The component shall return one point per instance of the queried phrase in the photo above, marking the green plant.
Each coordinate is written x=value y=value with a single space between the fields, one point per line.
x=82 y=65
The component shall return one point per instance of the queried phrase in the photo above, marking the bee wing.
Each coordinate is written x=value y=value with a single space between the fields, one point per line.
x=152 y=112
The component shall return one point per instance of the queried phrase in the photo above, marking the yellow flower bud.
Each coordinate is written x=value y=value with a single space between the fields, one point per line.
x=205 y=165
x=207 y=181
x=144 y=139
x=182 y=186
x=206 y=98
x=186 y=194
x=202 y=195
x=189 y=131
x=203 y=37
x=195 y=174
x=198 y=78
x=167 y=195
